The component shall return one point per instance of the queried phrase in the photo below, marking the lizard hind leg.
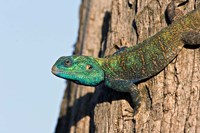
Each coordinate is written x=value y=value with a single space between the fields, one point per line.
x=173 y=12
x=191 y=38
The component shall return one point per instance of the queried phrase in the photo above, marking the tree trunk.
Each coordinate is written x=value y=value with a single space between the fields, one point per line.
x=171 y=102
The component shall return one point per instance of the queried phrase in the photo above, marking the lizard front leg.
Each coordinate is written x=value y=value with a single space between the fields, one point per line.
x=125 y=86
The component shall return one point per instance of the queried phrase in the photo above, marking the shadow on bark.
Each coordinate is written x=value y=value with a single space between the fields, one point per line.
x=102 y=94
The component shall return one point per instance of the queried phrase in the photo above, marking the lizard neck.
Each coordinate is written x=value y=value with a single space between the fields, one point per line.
x=100 y=61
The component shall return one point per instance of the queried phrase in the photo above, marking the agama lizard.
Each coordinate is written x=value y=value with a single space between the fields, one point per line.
x=128 y=66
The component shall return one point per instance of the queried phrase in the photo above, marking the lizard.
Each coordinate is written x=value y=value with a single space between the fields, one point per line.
x=127 y=67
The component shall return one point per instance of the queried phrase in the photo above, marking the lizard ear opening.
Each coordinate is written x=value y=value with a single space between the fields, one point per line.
x=89 y=67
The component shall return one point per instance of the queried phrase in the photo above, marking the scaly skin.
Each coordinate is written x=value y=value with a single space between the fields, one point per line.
x=129 y=66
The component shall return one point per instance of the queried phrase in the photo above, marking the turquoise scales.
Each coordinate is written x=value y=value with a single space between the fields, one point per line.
x=125 y=68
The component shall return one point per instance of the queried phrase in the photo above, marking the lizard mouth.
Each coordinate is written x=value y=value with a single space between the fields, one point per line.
x=58 y=72
x=54 y=70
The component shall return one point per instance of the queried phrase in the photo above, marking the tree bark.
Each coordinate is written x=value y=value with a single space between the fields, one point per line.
x=170 y=100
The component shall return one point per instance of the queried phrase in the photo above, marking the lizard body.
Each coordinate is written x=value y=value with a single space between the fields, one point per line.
x=127 y=67
x=155 y=53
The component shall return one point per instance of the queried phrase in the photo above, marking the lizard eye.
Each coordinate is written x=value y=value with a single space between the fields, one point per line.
x=88 y=67
x=68 y=63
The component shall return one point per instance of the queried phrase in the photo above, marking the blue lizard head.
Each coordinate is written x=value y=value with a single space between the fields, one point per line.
x=83 y=70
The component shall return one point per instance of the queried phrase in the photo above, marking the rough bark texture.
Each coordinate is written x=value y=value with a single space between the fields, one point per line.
x=171 y=102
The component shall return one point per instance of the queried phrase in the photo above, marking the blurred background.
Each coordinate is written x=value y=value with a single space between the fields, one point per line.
x=33 y=35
